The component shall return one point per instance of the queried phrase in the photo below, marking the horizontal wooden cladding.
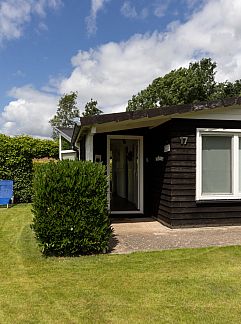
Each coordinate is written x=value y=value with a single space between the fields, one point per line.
x=180 y=175
x=189 y=205
x=182 y=193
x=181 y=169
x=181 y=157
x=188 y=146
x=205 y=215
x=163 y=212
x=166 y=197
x=165 y=202
x=163 y=219
x=182 y=151
x=207 y=209
x=182 y=198
x=185 y=204
x=203 y=222
x=167 y=209
x=181 y=163
x=180 y=181
x=180 y=187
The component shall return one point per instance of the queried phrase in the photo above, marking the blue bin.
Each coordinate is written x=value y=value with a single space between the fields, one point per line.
x=6 y=191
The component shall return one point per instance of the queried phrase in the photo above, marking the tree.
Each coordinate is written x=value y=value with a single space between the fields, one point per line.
x=67 y=112
x=183 y=86
x=91 y=109
x=227 y=89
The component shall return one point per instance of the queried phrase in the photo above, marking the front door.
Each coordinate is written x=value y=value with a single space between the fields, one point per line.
x=125 y=174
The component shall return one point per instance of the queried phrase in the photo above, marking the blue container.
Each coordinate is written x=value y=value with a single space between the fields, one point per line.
x=6 y=191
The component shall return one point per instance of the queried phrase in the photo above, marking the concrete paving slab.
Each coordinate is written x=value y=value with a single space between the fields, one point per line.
x=147 y=234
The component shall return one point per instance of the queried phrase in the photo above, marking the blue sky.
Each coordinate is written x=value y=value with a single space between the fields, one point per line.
x=107 y=50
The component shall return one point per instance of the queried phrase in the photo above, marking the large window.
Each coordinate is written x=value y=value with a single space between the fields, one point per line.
x=218 y=174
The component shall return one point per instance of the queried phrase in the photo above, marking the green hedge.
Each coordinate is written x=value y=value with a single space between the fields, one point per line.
x=70 y=208
x=16 y=155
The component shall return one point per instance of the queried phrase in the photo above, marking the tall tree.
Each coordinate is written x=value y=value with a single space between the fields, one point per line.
x=67 y=112
x=181 y=86
x=91 y=109
x=227 y=89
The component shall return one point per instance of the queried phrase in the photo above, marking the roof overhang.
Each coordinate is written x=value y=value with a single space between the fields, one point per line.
x=149 y=117
x=64 y=134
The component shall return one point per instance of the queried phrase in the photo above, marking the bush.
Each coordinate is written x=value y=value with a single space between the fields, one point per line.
x=70 y=208
x=16 y=157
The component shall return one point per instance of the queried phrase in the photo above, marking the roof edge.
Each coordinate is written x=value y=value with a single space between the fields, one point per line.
x=162 y=111
x=58 y=129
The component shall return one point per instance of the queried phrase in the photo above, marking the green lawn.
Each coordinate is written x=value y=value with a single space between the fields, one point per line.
x=180 y=286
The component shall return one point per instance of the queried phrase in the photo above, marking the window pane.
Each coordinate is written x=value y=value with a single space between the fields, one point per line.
x=216 y=164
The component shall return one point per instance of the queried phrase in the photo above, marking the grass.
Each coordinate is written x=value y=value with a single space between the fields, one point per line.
x=179 y=286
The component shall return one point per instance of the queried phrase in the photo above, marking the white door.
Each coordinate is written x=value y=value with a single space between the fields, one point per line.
x=125 y=173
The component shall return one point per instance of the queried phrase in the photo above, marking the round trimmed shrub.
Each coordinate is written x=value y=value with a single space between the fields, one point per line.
x=70 y=208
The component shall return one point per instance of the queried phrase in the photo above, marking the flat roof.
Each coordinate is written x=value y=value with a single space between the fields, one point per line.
x=162 y=111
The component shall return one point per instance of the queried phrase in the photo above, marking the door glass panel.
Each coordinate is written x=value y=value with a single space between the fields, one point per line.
x=216 y=164
x=124 y=174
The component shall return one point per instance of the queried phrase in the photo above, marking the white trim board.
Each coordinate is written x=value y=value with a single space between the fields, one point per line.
x=225 y=113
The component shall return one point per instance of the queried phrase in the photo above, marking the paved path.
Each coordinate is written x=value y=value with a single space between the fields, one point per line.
x=146 y=234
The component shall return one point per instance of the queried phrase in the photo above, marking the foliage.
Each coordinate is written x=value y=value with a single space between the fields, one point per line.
x=65 y=145
x=16 y=157
x=70 y=208
x=183 y=86
x=91 y=109
x=43 y=148
x=227 y=89
x=67 y=112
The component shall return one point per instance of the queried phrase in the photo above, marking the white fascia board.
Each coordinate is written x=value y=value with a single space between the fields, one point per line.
x=63 y=134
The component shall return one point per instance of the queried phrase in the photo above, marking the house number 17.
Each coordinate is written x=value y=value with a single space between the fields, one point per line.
x=183 y=140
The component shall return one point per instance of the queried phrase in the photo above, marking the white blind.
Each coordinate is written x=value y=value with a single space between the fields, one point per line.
x=216 y=164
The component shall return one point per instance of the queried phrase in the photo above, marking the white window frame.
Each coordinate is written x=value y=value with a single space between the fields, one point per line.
x=235 y=134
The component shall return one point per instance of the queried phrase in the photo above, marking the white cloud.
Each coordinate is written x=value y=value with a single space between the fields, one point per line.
x=14 y=14
x=19 y=74
x=29 y=113
x=129 y=11
x=113 y=72
x=194 y=3
x=96 y=6
x=160 y=8
x=40 y=6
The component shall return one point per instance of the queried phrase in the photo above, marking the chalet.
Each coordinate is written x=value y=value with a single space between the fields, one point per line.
x=179 y=164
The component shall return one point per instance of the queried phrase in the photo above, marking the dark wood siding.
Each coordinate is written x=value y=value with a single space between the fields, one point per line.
x=157 y=190
x=181 y=168
x=170 y=184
